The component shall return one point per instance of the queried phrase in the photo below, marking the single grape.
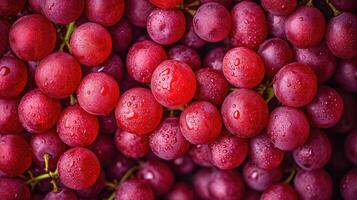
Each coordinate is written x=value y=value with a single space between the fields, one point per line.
x=228 y=151
x=243 y=67
x=200 y=122
x=279 y=191
x=15 y=153
x=94 y=190
x=32 y=37
x=4 y=31
x=264 y=154
x=288 y=128
x=134 y=189
x=62 y=194
x=37 y=112
x=214 y=58
x=143 y=58
x=200 y=183
x=78 y=168
x=295 y=85
x=166 y=26
x=47 y=143
x=319 y=58
x=167 y=141
x=35 y=5
x=313 y=184
x=341 y=35
x=138 y=112
x=250 y=26
x=138 y=11
x=279 y=7
x=76 y=127
x=326 y=109
x=275 y=53
x=211 y=86
x=14 y=189
x=13 y=77
x=212 y=22
x=315 y=153
x=186 y=55
x=276 y=25
x=226 y=185
x=244 y=113
x=165 y=4
x=131 y=145
x=345 y=75
x=122 y=35
x=305 y=27
x=98 y=93
x=103 y=147
x=183 y=165
x=200 y=154
x=180 y=191
x=62 y=12
x=348 y=185
x=9 y=118
x=91 y=44
x=118 y=167
x=350 y=146
x=11 y=7
x=260 y=179
x=106 y=13
x=58 y=75
x=113 y=66
x=173 y=84
x=190 y=38
x=158 y=175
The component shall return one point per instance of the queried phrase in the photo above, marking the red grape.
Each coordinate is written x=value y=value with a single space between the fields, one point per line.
x=214 y=58
x=93 y=190
x=131 y=145
x=37 y=112
x=345 y=75
x=244 y=113
x=15 y=153
x=243 y=67
x=11 y=7
x=138 y=11
x=350 y=146
x=119 y=166
x=326 y=109
x=201 y=181
x=14 y=189
x=165 y=4
x=143 y=58
x=276 y=25
x=200 y=154
x=58 y=75
x=279 y=7
x=62 y=12
x=180 y=191
x=341 y=35
x=295 y=85
x=91 y=44
x=275 y=53
x=113 y=66
x=345 y=5
x=211 y=86
x=305 y=27
x=4 y=31
x=250 y=27
x=200 y=122
x=348 y=185
x=173 y=83
x=190 y=38
x=212 y=22
x=186 y=55
x=348 y=120
x=279 y=191
x=313 y=184
x=228 y=151
x=134 y=189
x=166 y=26
x=183 y=165
x=103 y=147
x=223 y=2
x=9 y=118
x=138 y=112
x=32 y=37
x=122 y=35
x=98 y=93
x=288 y=128
x=78 y=168
x=106 y=13
x=13 y=76
x=264 y=154
x=62 y=194
x=47 y=143
x=167 y=141
x=76 y=127
x=226 y=185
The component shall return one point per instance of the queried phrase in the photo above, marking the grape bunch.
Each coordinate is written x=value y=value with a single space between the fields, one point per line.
x=178 y=99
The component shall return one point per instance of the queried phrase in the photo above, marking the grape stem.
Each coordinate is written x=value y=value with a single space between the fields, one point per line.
x=70 y=29
x=291 y=175
x=333 y=8
x=310 y=3
x=46 y=158
x=72 y=100
x=123 y=178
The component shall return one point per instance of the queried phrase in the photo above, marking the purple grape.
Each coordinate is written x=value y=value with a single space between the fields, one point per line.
x=346 y=75
x=348 y=185
x=134 y=189
x=280 y=191
x=277 y=25
x=185 y=54
x=138 y=11
x=214 y=58
x=350 y=146
x=122 y=35
x=180 y=191
x=190 y=38
x=226 y=185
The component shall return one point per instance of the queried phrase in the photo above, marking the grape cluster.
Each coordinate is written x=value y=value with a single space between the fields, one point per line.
x=178 y=99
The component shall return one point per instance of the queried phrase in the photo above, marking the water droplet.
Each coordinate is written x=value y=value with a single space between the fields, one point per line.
x=236 y=114
x=104 y=90
x=237 y=62
x=4 y=71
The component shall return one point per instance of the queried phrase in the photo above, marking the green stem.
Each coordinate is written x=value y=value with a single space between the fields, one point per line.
x=72 y=100
x=291 y=175
x=310 y=3
x=112 y=196
x=270 y=93
x=39 y=178
x=54 y=185
x=46 y=158
x=333 y=8
x=172 y=113
x=111 y=185
x=70 y=29
x=128 y=174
